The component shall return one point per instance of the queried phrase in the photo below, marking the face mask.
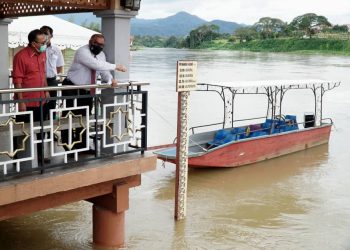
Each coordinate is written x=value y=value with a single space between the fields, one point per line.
x=42 y=48
x=95 y=49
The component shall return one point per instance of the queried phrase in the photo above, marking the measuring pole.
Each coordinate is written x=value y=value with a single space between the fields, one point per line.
x=186 y=81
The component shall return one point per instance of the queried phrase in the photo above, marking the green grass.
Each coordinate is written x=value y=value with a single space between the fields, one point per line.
x=314 y=45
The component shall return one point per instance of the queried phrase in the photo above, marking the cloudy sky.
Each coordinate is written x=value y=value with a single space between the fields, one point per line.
x=248 y=11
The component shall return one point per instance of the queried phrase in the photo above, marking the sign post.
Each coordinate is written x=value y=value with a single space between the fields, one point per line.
x=186 y=81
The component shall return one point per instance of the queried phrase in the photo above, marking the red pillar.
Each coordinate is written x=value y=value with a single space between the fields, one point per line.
x=109 y=215
x=108 y=227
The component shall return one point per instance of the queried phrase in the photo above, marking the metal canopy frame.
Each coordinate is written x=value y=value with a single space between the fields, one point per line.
x=12 y=8
x=274 y=92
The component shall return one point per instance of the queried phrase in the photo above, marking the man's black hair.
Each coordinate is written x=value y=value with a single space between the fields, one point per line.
x=33 y=35
x=44 y=28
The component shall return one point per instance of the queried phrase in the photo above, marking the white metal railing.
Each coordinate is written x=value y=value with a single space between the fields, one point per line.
x=116 y=121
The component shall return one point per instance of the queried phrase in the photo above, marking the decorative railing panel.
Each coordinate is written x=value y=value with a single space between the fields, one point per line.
x=11 y=8
x=115 y=124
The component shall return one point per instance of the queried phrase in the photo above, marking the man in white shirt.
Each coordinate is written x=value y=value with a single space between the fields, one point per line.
x=89 y=62
x=54 y=64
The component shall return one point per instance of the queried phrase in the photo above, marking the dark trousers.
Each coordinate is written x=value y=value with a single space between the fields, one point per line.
x=86 y=101
x=18 y=140
x=52 y=82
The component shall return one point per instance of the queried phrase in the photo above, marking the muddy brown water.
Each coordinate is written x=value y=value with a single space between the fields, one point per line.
x=299 y=201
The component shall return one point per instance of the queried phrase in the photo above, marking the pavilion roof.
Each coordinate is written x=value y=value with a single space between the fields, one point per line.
x=13 y=8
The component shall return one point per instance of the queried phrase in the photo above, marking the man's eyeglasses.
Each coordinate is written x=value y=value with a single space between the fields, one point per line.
x=40 y=43
x=99 y=44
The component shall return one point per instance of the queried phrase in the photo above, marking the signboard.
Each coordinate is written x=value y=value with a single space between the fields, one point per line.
x=186 y=78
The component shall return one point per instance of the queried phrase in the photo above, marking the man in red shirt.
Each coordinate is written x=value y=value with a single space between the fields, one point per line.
x=29 y=72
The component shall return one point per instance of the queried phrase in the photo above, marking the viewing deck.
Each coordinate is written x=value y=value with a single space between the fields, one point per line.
x=88 y=147
x=99 y=178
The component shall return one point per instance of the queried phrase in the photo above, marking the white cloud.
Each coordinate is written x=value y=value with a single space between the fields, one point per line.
x=247 y=11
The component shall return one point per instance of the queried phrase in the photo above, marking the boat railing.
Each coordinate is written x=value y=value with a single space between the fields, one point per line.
x=204 y=126
x=256 y=130
x=192 y=129
x=113 y=122
x=327 y=119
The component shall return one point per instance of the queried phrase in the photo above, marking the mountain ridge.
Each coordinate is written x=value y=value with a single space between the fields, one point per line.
x=179 y=24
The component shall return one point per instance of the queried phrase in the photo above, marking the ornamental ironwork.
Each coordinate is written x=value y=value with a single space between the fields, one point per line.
x=10 y=8
x=9 y=123
x=82 y=125
x=119 y=111
x=117 y=124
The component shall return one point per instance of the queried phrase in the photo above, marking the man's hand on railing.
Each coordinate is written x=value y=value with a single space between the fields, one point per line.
x=47 y=94
x=121 y=68
x=22 y=107
x=114 y=83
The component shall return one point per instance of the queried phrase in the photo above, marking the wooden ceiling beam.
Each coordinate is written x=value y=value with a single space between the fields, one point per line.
x=85 y=4
x=11 y=8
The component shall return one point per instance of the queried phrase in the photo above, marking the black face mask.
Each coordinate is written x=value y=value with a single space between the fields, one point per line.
x=95 y=49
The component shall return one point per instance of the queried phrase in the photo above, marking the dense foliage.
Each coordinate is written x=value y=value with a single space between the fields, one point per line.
x=305 y=32
x=310 y=23
x=294 y=44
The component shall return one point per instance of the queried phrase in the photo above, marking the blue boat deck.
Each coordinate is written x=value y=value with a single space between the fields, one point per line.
x=208 y=141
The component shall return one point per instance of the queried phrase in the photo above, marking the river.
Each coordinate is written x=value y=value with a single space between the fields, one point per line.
x=299 y=201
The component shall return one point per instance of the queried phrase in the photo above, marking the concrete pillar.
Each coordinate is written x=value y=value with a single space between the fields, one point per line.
x=116 y=29
x=4 y=51
x=108 y=227
x=109 y=216
x=4 y=78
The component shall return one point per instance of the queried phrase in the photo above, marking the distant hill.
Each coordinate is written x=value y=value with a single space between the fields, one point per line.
x=227 y=27
x=179 y=24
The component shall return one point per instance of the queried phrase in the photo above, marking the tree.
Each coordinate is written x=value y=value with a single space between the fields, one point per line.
x=245 y=34
x=173 y=42
x=268 y=27
x=310 y=23
x=94 y=26
x=340 y=28
x=149 y=41
x=202 y=34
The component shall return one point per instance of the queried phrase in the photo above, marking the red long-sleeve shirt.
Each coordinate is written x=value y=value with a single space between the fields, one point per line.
x=29 y=71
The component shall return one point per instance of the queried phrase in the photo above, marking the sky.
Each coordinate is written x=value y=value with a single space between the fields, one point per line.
x=248 y=11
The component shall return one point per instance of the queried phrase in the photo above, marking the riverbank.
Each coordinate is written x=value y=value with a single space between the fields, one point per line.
x=293 y=45
x=314 y=45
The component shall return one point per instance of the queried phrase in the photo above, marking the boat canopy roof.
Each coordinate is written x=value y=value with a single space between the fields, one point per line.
x=261 y=86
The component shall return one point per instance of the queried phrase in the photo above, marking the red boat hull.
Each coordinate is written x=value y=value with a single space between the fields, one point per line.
x=262 y=148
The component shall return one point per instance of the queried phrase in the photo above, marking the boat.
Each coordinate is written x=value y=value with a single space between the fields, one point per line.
x=263 y=138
